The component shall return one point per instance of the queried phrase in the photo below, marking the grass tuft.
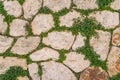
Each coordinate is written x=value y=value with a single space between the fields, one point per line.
x=13 y=73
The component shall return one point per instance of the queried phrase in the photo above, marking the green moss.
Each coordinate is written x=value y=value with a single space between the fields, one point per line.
x=13 y=73
x=104 y=3
x=115 y=77
x=62 y=56
x=21 y=1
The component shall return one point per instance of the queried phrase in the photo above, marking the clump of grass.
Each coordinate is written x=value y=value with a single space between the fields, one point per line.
x=40 y=72
x=13 y=73
x=104 y=3
x=86 y=27
x=62 y=56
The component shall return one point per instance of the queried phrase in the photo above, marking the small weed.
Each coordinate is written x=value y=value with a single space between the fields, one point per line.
x=40 y=72
x=45 y=10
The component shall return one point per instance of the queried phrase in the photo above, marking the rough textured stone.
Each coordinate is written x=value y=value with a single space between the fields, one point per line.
x=101 y=43
x=94 y=74
x=44 y=54
x=3 y=25
x=114 y=61
x=76 y=61
x=5 y=43
x=33 y=70
x=42 y=23
x=115 y=5
x=25 y=45
x=57 y=5
x=116 y=37
x=17 y=27
x=56 y=71
x=85 y=4
x=13 y=8
x=6 y=63
x=31 y=7
x=106 y=18
x=68 y=19
x=23 y=78
x=59 y=40
x=79 y=42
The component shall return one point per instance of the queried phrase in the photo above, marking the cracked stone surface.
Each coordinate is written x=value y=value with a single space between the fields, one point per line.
x=106 y=18
x=6 y=63
x=3 y=25
x=17 y=27
x=94 y=74
x=85 y=4
x=79 y=42
x=56 y=71
x=76 y=61
x=13 y=8
x=57 y=5
x=114 y=61
x=116 y=37
x=31 y=7
x=5 y=43
x=33 y=72
x=44 y=54
x=45 y=39
x=42 y=23
x=59 y=40
x=101 y=44
x=25 y=45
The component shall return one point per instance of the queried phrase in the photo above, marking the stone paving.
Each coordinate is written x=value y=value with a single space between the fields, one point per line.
x=60 y=39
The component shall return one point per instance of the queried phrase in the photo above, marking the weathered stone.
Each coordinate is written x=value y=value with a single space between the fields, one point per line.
x=23 y=78
x=31 y=7
x=42 y=23
x=57 y=5
x=79 y=42
x=59 y=40
x=6 y=63
x=17 y=27
x=101 y=43
x=44 y=54
x=3 y=25
x=115 y=5
x=106 y=18
x=68 y=19
x=33 y=70
x=116 y=37
x=56 y=71
x=25 y=45
x=94 y=74
x=13 y=8
x=5 y=43
x=76 y=61
x=85 y=4
x=114 y=61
